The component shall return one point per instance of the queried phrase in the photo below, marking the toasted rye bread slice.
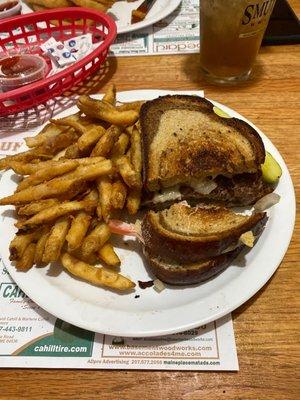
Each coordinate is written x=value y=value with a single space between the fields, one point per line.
x=183 y=138
x=186 y=234
x=190 y=274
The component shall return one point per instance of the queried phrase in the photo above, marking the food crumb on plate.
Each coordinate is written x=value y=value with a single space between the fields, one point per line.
x=145 y=284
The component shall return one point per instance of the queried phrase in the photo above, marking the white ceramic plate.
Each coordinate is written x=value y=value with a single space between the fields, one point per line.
x=121 y=12
x=176 y=308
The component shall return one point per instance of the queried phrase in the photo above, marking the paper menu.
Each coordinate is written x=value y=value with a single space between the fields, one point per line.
x=178 y=33
x=30 y=337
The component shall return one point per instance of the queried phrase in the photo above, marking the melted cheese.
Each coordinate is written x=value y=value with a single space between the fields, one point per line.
x=247 y=238
x=202 y=186
x=168 y=194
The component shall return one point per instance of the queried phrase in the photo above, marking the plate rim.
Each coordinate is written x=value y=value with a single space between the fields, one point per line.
x=214 y=315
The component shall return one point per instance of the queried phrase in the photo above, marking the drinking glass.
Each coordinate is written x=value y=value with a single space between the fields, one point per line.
x=231 y=33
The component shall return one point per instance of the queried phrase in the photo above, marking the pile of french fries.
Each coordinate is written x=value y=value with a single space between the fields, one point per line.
x=100 y=5
x=79 y=172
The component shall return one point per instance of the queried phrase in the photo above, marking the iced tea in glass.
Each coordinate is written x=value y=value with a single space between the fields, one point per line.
x=231 y=32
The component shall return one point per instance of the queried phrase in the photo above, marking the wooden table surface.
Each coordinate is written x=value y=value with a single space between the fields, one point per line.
x=267 y=326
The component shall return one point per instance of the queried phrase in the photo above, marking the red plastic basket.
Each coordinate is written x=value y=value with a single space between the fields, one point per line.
x=27 y=32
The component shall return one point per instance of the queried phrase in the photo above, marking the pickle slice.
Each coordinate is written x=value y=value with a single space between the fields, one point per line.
x=221 y=113
x=271 y=170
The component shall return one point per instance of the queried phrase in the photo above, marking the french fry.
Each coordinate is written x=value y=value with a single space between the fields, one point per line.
x=90 y=137
x=51 y=3
x=40 y=247
x=106 y=142
x=53 y=145
x=99 y=212
x=97 y=276
x=105 y=112
x=95 y=239
x=89 y=160
x=129 y=175
x=49 y=131
x=52 y=188
x=91 y=171
x=107 y=3
x=92 y=196
x=94 y=223
x=72 y=121
x=28 y=169
x=22 y=168
x=25 y=156
x=56 y=240
x=78 y=189
x=118 y=194
x=90 y=259
x=128 y=130
x=91 y=199
x=108 y=255
x=72 y=151
x=25 y=168
x=60 y=155
x=87 y=121
x=134 y=198
x=134 y=105
x=138 y=125
x=46 y=174
x=136 y=150
x=120 y=146
x=34 y=208
x=78 y=230
x=90 y=4
x=133 y=201
x=52 y=213
x=19 y=243
x=110 y=95
x=27 y=259
x=60 y=185
x=104 y=187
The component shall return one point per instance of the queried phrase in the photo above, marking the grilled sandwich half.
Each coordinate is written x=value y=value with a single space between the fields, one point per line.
x=187 y=245
x=191 y=153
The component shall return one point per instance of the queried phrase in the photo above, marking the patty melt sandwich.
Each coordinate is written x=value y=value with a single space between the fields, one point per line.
x=196 y=164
